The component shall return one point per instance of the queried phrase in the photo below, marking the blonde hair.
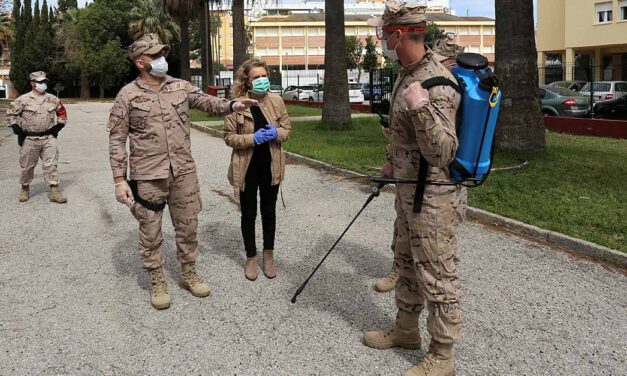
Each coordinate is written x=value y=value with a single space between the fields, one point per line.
x=240 y=87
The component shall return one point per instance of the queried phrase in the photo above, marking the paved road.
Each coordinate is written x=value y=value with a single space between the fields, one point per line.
x=76 y=301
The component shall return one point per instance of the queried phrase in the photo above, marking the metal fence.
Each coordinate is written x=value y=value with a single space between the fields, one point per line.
x=608 y=72
x=379 y=90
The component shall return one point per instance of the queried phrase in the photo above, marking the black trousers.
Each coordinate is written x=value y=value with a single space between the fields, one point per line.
x=258 y=178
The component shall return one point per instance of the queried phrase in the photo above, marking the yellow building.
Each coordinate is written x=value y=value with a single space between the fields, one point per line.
x=222 y=42
x=578 y=32
x=298 y=40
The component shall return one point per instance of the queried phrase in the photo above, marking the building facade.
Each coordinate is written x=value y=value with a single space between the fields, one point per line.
x=296 y=41
x=583 y=39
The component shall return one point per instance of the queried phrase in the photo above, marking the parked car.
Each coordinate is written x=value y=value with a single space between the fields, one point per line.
x=557 y=101
x=277 y=89
x=376 y=92
x=605 y=90
x=354 y=93
x=570 y=85
x=298 y=93
x=614 y=109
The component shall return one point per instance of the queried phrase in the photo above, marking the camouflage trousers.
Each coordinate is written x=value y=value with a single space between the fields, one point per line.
x=425 y=256
x=182 y=195
x=34 y=149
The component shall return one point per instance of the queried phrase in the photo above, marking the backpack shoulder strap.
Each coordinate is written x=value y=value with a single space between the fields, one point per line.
x=440 y=81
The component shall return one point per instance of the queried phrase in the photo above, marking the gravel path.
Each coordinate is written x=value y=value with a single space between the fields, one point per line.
x=76 y=301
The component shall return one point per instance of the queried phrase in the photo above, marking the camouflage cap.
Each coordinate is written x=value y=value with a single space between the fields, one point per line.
x=38 y=76
x=446 y=47
x=403 y=13
x=149 y=44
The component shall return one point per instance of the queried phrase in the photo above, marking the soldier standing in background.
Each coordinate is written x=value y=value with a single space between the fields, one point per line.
x=36 y=119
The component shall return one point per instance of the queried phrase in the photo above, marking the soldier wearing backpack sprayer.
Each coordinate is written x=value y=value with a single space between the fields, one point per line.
x=445 y=52
x=421 y=123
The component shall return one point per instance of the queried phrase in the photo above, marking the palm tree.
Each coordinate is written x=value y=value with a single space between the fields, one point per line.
x=521 y=125
x=184 y=11
x=240 y=45
x=148 y=16
x=335 y=109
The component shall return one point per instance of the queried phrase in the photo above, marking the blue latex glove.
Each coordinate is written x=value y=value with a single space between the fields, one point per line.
x=259 y=136
x=271 y=132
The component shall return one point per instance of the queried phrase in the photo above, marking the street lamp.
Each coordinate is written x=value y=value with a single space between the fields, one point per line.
x=286 y=69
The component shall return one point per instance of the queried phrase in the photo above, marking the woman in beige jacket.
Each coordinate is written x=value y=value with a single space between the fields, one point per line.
x=257 y=161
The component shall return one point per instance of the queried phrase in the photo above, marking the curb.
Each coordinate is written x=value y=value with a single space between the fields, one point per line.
x=580 y=246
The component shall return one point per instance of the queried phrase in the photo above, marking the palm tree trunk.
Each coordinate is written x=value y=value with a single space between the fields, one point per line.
x=521 y=124
x=204 y=53
x=101 y=91
x=239 y=43
x=335 y=109
x=186 y=72
x=210 y=50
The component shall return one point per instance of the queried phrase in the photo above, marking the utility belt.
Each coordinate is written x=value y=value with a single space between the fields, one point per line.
x=53 y=131
x=154 y=206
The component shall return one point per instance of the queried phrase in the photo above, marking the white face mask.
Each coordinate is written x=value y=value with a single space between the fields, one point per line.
x=41 y=87
x=159 y=67
x=390 y=54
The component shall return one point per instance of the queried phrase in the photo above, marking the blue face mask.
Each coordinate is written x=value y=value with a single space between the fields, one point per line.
x=261 y=85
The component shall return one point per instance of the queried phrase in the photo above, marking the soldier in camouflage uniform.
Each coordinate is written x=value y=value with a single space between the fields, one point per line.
x=445 y=51
x=153 y=112
x=32 y=117
x=421 y=123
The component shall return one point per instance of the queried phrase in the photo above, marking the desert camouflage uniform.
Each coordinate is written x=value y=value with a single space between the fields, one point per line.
x=37 y=113
x=157 y=124
x=426 y=243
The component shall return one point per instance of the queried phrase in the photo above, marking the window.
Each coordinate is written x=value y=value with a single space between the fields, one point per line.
x=272 y=32
x=273 y=52
x=620 y=87
x=463 y=30
x=286 y=32
x=350 y=32
x=321 y=31
x=473 y=49
x=623 y=10
x=475 y=30
x=299 y=51
x=603 y=12
x=298 y=32
x=313 y=31
x=450 y=29
x=261 y=32
x=488 y=30
x=488 y=49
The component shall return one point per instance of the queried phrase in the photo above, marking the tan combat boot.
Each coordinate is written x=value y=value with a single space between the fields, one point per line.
x=192 y=282
x=160 y=295
x=404 y=334
x=387 y=283
x=55 y=195
x=24 y=193
x=439 y=361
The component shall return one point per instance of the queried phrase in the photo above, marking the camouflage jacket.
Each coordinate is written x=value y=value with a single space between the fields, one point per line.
x=157 y=124
x=430 y=130
x=36 y=113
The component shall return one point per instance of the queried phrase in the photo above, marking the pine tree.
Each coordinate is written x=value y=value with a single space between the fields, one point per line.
x=64 y=5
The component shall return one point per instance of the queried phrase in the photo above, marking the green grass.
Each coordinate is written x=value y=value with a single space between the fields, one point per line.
x=578 y=186
x=292 y=110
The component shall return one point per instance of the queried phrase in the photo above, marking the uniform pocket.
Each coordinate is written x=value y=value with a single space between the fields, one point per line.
x=138 y=115
x=181 y=105
x=139 y=212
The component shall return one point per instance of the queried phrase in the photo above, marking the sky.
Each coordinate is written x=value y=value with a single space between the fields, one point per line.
x=475 y=7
